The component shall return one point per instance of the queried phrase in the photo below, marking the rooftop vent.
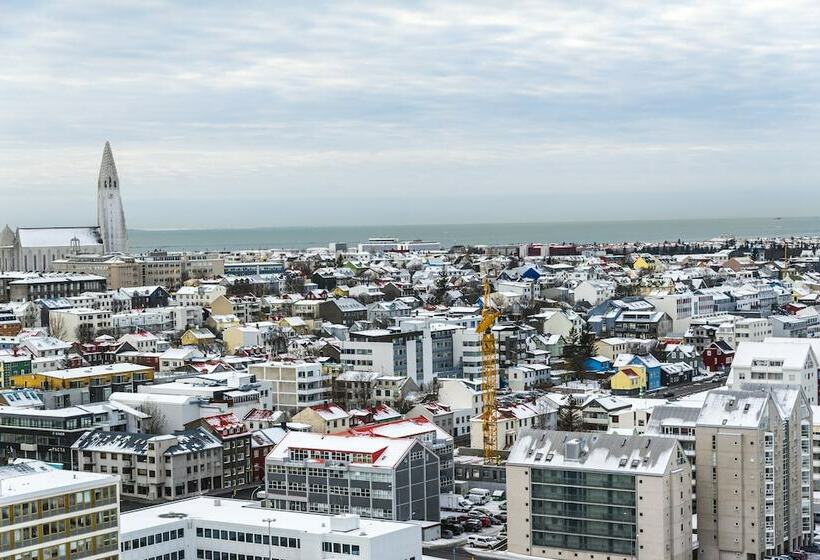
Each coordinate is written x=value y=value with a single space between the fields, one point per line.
x=173 y=515
x=574 y=449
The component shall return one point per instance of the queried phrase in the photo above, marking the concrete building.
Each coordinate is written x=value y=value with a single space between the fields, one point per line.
x=602 y=496
x=223 y=529
x=51 y=514
x=34 y=249
x=753 y=451
x=294 y=385
x=78 y=323
x=153 y=467
x=369 y=476
x=776 y=362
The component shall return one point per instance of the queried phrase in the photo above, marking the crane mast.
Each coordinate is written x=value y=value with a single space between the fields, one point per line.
x=489 y=378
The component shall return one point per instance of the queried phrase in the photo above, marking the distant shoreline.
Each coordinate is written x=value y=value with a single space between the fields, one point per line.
x=589 y=231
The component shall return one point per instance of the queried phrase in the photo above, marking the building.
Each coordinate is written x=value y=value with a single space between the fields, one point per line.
x=49 y=513
x=97 y=381
x=110 y=215
x=324 y=418
x=599 y=496
x=718 y=356
x=526 y=377
x=236 y=447
x=368 y=476
x=776 y=362
x=294 y=385
x=47 y=435
x=78 y=324
x=433 y=437
x=153 y=467
x=511 y=419
x=223 y=529
x=34 y=249
x=753 y=455
x=16 y=286
x=343 y=311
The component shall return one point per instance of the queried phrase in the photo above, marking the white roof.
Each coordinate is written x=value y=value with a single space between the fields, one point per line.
x=248 y=513
x=109 y=369
x=793 y=354
x=391 y=450
x=59 y=236
x=34 y=478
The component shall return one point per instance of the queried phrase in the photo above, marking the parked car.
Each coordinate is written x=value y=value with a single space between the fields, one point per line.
x=501 y=517
x=502 y=506
x=446 y=534
x=473 y=525
x=482 y=510
x=482 y=541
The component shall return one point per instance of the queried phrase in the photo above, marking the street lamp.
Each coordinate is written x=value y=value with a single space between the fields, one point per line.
x=269 y=520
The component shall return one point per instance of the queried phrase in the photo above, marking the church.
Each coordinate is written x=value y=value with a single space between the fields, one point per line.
x=34 y=249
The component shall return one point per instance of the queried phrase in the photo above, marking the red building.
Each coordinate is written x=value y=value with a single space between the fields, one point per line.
x=718 y=356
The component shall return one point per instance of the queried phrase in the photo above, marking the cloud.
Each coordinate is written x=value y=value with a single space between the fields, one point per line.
x=275 y=101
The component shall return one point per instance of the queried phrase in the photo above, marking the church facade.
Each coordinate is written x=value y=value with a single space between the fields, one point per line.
x=34 y=249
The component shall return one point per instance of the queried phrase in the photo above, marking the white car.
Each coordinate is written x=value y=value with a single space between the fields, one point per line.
x=481 y=541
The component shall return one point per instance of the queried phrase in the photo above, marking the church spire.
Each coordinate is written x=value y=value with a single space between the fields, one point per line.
x=110 y=215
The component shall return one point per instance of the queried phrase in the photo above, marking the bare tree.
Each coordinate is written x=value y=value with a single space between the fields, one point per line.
x=156 y=421
x=57 y=327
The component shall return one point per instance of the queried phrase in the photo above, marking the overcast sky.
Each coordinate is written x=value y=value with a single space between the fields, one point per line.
x=291 y=113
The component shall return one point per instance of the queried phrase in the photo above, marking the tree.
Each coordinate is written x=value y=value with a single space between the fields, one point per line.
x=57 y=327
x=86 y=333
x=441 y=284
x=580 y=347
x=569 y=416
x=155 y=423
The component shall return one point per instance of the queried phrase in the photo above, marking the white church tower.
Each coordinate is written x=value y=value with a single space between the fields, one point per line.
x=110 y=216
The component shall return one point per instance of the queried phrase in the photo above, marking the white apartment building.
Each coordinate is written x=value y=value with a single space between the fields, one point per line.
x=776 y=362
x=682 y=308
x=223 y=529
x=594 y=291
x=72 y=324
x=749 y=329
x=52 y=514
x=294 y=385
x=598 y=497
x=526 y=377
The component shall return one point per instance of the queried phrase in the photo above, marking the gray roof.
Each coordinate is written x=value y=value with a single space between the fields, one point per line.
x=672 y=415
x=643 y=455
x=740 y=409
x=137 y=444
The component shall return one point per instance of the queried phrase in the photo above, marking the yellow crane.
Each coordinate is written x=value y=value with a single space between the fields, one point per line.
x=489 y=377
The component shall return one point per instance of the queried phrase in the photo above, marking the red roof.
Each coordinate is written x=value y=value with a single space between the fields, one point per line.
x=226 y=425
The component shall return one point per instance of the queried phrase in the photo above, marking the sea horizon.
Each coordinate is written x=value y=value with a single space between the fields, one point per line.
x=576 y=231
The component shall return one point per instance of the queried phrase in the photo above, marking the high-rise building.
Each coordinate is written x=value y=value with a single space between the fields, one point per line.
x=598 y=496
x=754 y=487
x=110 y=216
x=51 y=514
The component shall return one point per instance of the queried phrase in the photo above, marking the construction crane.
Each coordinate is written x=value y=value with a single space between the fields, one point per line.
x=489 y=377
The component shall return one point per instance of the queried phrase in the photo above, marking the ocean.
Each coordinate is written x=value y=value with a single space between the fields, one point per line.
x=473 y=234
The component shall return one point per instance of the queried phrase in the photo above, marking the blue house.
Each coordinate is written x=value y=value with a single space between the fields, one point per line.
x=648 y=361
x=597 y=364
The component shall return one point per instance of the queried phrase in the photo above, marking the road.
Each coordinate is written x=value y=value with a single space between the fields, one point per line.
x=242 y=493
x=689 y=389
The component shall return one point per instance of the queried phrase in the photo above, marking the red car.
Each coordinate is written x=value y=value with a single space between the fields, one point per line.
x=485 y=521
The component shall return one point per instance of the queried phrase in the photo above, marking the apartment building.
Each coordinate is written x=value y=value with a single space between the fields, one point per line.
x=432 y=436
x=753 y=451
x=600 y=497
x=223 y=529
x=235 y=437
x=750 y=329
x=776 y=362
x=153 y=467
x=510 y=419
x=78 y=323
x=52 y=514
x=98 y=381
x=294 y=384
x=47 y=435
x=373 y=477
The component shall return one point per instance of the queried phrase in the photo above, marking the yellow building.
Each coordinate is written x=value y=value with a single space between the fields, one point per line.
x=642 y=264
x=628 y=380
x=198 y=337
x=99 y=380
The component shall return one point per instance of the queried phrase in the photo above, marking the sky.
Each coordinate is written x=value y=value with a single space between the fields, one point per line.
x=235 y=114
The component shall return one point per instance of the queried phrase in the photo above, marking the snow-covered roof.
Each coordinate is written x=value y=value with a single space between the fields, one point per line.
x=59 y=236
x=385 y=453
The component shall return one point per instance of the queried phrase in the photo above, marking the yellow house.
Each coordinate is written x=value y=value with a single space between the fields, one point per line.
x=340 y=291
x=642 y=264
x=198 y=337
x=628 y=379
x=324 y=418
x=113 y=377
